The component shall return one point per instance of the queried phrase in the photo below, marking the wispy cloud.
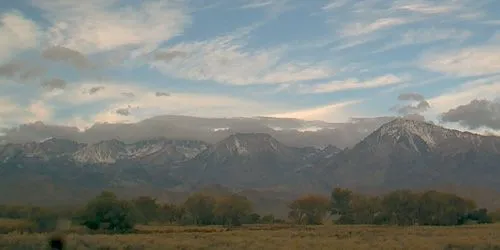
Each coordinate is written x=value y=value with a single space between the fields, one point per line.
x=96 y=26
x=364 y=28
x=484 y=88
x=455 y=10
x=334 y=4
x=227 y=60
x=272 y=7
x=353 y=83
x=471 y=61
x=288 y=57
x=427 y=36
x=425 y=7
x=256 y=4
x=336 y=112
x=115 y=107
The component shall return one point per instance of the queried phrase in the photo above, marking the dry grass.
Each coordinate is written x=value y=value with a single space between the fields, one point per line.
x=277 y=237
x=13 y=225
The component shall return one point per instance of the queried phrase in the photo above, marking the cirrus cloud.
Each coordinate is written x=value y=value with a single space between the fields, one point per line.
x=225 y=60
x=472 y=61
x=353 y=83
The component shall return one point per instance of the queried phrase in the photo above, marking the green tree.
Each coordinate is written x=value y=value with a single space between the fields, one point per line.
x=200 y=208
x=147 y=208
x=364 y=209
x=252 y=218
x=268 y=219
x=309 y=209
x=480 y=216
x=340 y=205
x=401 y=207
x=442 y=209
x=107 y=212
x=231 y=209
x=495 y=215
x=171 y=213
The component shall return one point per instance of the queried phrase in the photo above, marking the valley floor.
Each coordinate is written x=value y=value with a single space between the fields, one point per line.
x=277 y=237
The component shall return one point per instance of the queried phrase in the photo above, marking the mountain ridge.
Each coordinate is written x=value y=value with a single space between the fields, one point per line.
x=399 y=154
x=293 y=132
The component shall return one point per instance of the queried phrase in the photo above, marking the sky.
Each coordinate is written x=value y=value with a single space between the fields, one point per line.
x=79 y=62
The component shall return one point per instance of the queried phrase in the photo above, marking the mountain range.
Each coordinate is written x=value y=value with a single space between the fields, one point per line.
x=401 y=153
x=292 y=132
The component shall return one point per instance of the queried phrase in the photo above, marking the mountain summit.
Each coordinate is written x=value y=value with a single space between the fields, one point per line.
x=409 y=153
x=247 y=144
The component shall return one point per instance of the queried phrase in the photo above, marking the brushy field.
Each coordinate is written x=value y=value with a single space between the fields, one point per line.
x=276 y=237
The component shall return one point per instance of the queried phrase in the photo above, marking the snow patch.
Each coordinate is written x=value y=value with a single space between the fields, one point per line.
x=309 y=129
x=46 y=139
x=239 y=148
x=220 y=129
x=429 y=133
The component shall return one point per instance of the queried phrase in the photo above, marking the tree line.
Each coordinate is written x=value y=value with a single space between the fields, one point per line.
x=107 y=213
x=401 y=207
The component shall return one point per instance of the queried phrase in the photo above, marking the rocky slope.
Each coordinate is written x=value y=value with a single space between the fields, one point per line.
x=408 y=153
x=157 y=151
x=251 y=160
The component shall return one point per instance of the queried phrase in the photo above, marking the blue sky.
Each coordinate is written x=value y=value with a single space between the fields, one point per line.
x=79 y=62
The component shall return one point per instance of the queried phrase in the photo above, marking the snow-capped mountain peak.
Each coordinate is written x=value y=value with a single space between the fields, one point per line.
x=114 y=150
x=417 y=136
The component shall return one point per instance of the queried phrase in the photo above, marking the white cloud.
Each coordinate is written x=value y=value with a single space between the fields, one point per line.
x=468 y=10
x=353 y=83
x=145 y=103
x=472 y=61
x=96 y=26
x=351 y=42
x=426 y=36
x=18 y=33
x=13 y=113
x=39 y=112
x=486 y=88
x=226 y=60
x=336 y=112
x=432 y=35
x=481 y=131
x=272 y=7
x=425 y=7
x=334 y=4
x=256 y=4
x=364 y=28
